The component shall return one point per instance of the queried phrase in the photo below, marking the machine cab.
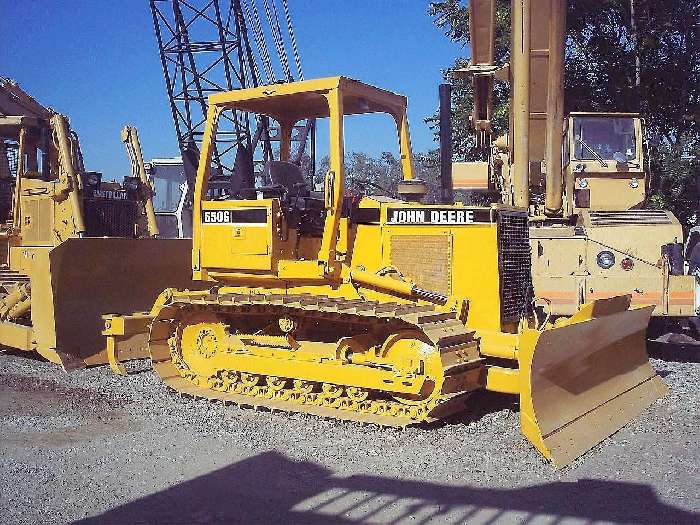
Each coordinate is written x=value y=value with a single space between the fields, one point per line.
x=272 y=217
x=604 y=161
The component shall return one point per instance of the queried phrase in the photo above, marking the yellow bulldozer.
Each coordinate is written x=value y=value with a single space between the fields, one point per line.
x=583 y=177
x=381 y=310
x=73 y=247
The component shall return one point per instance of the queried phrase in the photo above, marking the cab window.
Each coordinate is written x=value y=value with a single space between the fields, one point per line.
x=610 y=138
x=243 y=163
x=169 y=182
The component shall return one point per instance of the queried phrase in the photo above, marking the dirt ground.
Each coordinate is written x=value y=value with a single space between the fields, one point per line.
x=90 y=447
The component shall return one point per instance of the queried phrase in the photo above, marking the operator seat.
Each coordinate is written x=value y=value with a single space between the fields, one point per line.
x=290 y=176
x=286 y=174
x=304 y=207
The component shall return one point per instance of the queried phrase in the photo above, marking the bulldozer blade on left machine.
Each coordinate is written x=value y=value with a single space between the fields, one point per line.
x=75 y=283
x=584 y=378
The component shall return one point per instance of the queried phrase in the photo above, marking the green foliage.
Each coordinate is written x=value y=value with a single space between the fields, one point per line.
x=453 y=18
x=366 y=175
x=677 y=172
x=649 y=62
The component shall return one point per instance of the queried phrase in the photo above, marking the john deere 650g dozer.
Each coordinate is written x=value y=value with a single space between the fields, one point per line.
x=72 y=247
x=386 y=310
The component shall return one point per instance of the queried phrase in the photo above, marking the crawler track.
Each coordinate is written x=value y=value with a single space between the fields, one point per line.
x=461 y=366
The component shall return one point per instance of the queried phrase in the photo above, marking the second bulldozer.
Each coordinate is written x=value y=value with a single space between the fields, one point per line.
x=382 y=310
x=73 y=247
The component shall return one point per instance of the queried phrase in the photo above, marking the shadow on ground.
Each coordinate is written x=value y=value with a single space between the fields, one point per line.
x=477 y=405
x=33 y=356
x=676 y=352
x=270 y=488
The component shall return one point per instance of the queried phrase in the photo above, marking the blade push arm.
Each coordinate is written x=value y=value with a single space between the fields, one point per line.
x=68 y=178
x=130 y=138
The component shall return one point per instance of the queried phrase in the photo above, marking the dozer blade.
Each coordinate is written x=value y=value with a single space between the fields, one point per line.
x=89 y=277
x=584 y=379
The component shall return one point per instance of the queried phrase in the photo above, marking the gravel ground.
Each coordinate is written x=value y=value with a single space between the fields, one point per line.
x=91 y=447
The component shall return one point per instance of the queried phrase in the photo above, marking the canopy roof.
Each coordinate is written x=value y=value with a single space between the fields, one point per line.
x=296 y=101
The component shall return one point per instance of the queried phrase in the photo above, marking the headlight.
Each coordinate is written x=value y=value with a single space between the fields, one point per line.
x=606 y=259
x=634 y=183
x=583 y=183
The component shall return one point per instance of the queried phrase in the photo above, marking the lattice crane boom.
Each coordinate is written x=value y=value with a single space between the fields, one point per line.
x=208 y=46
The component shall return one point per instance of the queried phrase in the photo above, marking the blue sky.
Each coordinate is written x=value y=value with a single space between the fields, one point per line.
x=97 y=61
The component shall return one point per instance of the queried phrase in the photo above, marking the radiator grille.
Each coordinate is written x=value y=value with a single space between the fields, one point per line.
x=628 y=217
x=110 y=218
x=425 y=259
x=514 y=265
x=11 y=151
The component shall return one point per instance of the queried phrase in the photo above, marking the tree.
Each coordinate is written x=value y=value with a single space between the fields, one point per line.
x=366 y=175
x=621 y=55
x=453 y=17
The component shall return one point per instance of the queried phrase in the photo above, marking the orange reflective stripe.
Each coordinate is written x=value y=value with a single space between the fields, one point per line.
x=469 y=185
x=682 y=298
x=557 y=296
x=679 y=298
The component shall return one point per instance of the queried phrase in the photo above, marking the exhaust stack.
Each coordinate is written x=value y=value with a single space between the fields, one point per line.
x=447 y=194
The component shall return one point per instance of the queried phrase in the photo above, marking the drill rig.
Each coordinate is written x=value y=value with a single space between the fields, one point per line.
x=73 y=247
x=382 y=310
x=583 y=176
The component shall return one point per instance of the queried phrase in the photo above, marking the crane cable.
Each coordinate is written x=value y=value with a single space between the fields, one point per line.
x=273 y=20
x=249 y=65
x=290 y=28
x=260 y=43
